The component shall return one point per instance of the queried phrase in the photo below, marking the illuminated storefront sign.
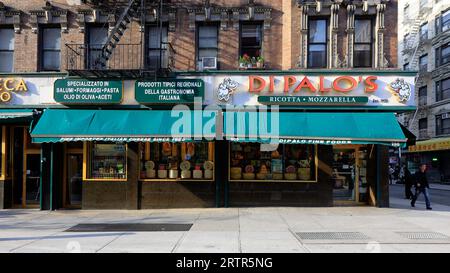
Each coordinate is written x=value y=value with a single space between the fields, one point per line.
x=365 y=90
x=9 y=86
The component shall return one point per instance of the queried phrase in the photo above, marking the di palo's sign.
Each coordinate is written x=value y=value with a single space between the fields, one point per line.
x=326 y=90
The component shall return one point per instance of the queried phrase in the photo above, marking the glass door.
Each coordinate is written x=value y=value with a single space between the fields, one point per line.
x=344 y=174
x=74 y=180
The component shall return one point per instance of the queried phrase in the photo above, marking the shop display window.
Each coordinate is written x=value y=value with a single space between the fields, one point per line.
x=264 y=162
x=177 y=161
x=107 y=161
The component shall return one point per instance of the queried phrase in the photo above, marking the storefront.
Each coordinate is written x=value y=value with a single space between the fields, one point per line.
x=233 y=139
x=436 y=154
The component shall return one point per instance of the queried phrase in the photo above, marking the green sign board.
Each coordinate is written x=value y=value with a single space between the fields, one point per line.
x=312 y=100
x=169 y=91
x=76 y=91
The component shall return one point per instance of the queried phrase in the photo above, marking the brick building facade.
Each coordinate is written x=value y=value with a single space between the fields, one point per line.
x=332 y=63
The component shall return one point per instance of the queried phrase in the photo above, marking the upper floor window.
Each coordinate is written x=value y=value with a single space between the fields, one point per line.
x=157 y=41
x=6 y=50
x=423 y=62
x=443 y=54
x=251 y=39
x=423 y=95
x=96 y=39
x=50 y=55
x=317 y=43
x=363 y=43
x=443 y=124
x=445 y=20
x=207 y=42
x=443 y=89
x=423 y=124
x=424 y=31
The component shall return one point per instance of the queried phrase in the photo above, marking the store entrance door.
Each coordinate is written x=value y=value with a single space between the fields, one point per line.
x=345 y=174
x=73 y=181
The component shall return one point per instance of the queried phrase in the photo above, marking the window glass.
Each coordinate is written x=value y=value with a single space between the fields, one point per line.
x=445 y=54
x=423 y=62
x=363 y=31
x=423 y=123
x=317 y=44
x=51 y=49
x=107 y=161
x=207 y=41
x=190 y=161
x=6 y=50
x=253 y=161
x=446 y=20
x=157 y=51
x=424 y=31
x=251 y=40
x=363 y=43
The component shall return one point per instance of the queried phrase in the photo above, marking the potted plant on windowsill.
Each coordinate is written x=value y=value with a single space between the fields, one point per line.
x=244 y=61
x=260 y=62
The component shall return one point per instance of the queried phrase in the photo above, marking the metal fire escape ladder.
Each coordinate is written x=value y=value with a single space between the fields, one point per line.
x=114 y=37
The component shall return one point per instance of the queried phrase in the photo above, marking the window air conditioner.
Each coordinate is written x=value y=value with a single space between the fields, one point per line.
x=209 y=62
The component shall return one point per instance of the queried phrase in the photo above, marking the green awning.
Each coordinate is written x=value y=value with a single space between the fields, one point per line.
x=16 y=114
x=325 y=128
x=57 y=125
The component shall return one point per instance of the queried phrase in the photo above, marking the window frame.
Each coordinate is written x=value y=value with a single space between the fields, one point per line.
x=442 y=20
x=326 y=41
x=440 y=130
x=88 y=39
x=438 y=55
x=421 y=122
x=423 y=35
x=421 y=95
x=423 y=68
x=163 y=48
x=261 y=30
x=42 y=50
x=9 y=50
x=87 y=160
x=316 y=170
x=371 y=44
x=439 y=91
x=145 y=151
x=197 y=40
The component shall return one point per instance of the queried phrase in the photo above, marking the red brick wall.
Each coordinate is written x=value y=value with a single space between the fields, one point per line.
x=281 y=43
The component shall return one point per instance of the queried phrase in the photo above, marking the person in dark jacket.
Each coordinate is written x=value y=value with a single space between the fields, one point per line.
x=408 y=179
x=422 y=186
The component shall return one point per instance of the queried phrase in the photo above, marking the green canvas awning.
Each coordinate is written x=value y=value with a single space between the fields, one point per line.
x=325 y=128
x=124 y=125
x=8 y=114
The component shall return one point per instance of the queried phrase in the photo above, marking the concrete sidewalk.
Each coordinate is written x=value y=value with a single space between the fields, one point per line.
x=272 y=229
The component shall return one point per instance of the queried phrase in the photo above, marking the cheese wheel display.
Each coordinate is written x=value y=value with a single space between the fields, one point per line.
x=208 y=165
x=249 y=169
x=162 y=174
x=149 y=165
x=173 y=174
x=304 y=173
x=208 y=174
x=150 y=173
x=197 y=174
x=185 y=174
x=185 y=165
x=236 y=173
x=249 y=176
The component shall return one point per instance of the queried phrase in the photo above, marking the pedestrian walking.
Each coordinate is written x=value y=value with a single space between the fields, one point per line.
x=408 y=180
x=422 y=186
x=391 y=175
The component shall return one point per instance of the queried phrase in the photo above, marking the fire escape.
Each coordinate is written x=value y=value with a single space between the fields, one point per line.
x=116 y=59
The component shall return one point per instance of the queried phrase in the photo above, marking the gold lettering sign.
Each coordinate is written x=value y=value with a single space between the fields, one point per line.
x=10 y=85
